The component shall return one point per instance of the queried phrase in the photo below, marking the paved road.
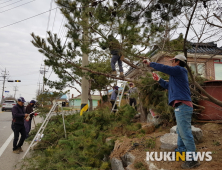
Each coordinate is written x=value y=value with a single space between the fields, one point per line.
x=8 y=159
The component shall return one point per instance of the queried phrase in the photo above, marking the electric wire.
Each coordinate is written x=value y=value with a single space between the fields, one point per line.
x=11 y=4
x=26 y=18
x=16 y=6
x=54 y=20
x=5 y=2
x=49 y=18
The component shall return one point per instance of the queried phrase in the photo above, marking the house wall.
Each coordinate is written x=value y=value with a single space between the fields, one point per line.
x=76 y=103
x=209 y=65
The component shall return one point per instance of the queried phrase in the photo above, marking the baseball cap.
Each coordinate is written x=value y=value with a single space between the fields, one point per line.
x=180 y=57
x=21 y=99
x=32 y=101
x=131 y=83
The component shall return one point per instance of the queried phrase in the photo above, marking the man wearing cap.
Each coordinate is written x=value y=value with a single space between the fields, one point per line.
x=18 y=116
x=179 y=97
x=132 y=92
x=27 y=123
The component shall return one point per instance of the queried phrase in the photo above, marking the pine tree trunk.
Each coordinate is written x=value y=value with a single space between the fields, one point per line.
x=90 y=102
x=107 y=93
x=90 y=97
x=101 y=97
x=143 y=113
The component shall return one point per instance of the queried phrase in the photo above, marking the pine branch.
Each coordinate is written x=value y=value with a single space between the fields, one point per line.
x=210 y=98
x=72 y=77
x=74 y=88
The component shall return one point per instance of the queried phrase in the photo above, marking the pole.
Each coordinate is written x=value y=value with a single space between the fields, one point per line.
x=3 y=88
x=43 y=79
x=85 y=62
x=43 y=71
x=15 y=89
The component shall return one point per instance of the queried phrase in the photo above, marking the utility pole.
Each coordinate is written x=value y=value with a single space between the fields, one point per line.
x=3 y=88
x=85 y=62
x=15 y=89
x=43 y=71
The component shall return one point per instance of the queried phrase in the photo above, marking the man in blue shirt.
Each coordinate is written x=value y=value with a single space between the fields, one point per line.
x=179 y=97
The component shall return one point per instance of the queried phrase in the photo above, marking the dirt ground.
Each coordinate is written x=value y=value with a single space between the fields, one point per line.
x=212 y=141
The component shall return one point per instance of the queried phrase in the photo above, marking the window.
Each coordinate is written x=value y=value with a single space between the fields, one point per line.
x=200 y=68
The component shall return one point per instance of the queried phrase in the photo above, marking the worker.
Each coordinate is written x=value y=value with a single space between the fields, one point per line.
x=132 y=92
x=179 y=97
x=18 y=116
x=115 y=50
x=114 y=96
x=27 y=123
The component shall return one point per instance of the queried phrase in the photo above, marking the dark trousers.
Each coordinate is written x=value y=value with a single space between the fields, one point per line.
x=27 y=125
x=18 y=128
x=113 y=102
x=133 y=100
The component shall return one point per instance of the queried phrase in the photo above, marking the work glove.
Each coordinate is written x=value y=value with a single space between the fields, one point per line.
x=35 y=114
x=156 y=77
x=147 y=62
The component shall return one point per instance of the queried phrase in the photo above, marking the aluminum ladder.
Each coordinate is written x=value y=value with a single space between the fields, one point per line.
x=119 y=97
x=43 y=126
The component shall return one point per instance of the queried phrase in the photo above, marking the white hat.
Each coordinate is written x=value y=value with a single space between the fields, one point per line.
x=180 y=57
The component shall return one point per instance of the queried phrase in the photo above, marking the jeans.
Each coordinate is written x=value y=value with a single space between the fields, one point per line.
x=185 y=140
x=18 y=128
x=133 y=100
x=114 y=59
x=27 y=125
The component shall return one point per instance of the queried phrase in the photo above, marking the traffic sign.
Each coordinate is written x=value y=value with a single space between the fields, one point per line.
x=17 y=80
x=6 y=91
x=10 y=80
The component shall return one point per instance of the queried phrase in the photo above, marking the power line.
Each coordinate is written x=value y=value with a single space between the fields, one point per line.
x=11 y=4
x=49 y=18
x=27 y=18
x=61 y=25
x=54 y=20
x=17 y=6
x=5 y=2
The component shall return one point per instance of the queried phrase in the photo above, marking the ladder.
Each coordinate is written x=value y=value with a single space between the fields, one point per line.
x=119 y=96
x=43 y=126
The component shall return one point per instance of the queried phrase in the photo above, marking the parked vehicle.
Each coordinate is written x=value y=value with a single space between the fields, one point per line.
x=8 y=104
x=26 y=104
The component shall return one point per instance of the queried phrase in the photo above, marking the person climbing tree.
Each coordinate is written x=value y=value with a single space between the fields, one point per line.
x=115 y=49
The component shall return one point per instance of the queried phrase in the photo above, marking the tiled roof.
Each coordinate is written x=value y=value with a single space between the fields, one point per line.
x=205 y=48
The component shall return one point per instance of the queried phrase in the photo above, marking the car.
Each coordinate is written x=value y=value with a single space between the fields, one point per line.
x=26 y=104
x=8 y=104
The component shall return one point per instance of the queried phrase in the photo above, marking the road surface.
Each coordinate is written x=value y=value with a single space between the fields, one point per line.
x=8 y=159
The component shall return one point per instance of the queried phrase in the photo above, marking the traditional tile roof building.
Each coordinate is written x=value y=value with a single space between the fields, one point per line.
x=207 y=56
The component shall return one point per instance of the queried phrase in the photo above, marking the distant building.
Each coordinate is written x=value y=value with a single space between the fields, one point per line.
x=62 y=100
x=76 y=101
x=207 y=56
